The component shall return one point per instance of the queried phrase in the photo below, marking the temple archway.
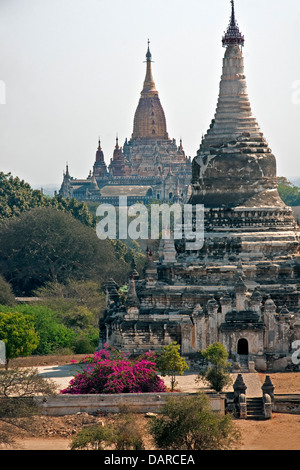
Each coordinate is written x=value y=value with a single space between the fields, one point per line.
x=243 y=347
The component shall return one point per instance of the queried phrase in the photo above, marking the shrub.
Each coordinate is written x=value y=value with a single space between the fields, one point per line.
x=190 y=424
x=18 y=387
x=217 y=374
x=120 y=435
x=126 y=434
x=106 y=374
x=72 y=296
x=170 y=363
x=86 y=344
x=92 y=438
x=18 y=333
x=53 y=335
x=6 y=293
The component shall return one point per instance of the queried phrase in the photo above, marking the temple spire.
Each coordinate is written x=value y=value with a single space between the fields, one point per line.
x=232 y=12
x=99 y=168
x=149 y=85
x=149 y=118
x=149 y=55
x=227 y=170
x=233 y=34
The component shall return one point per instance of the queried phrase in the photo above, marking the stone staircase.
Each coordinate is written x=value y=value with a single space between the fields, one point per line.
x=249 y=399
x=244 y=364
x=255 y=408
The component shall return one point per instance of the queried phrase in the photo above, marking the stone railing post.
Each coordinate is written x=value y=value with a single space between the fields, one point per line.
x=240 y=401
x=267 y=406
x=243 y=406
x=268 y=388
x=239 y=387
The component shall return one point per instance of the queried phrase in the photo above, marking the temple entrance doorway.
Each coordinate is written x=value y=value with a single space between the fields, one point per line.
x=243 y=347
x=243 y=354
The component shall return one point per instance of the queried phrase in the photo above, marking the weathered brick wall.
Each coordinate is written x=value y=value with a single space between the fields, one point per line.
x=287 y=404
x=61 y=405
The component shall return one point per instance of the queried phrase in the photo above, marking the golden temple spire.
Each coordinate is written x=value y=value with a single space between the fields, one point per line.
x=149 y=85
x=149 y=118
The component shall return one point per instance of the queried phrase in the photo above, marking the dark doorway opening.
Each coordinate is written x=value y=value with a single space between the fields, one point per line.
x=243 y=347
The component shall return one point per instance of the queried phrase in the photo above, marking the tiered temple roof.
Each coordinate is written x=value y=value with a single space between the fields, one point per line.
x=242 y=288
x=234 y=165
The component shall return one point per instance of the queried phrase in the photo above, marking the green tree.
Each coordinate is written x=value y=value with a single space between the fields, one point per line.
x=120 y=434
x=6 y=293
x=18 y=333
x=289 y=193
x=79 y=306
x=18 y=389
x=217 y=374
x=170 y=362
x=71 y=296
x=54 y=335
x=66 y=317
x=16 y=197
x=92 y=438
x=126 y=434
x=47 y=245
x=190 y=424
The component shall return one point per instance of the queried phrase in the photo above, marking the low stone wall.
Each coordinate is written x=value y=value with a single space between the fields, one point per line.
x=289 y=404
x=61 y=405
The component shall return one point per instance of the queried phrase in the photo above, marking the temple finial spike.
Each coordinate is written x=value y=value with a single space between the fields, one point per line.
x=233 y=34
x=232 y=9
x=149 y=55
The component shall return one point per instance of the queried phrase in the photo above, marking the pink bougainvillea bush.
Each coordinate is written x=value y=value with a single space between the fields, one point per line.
x=109 y=371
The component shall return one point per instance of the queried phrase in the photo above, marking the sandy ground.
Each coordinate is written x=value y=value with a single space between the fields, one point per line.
x=284 y=382
x=53 y=367
x=282 y=432
x=62 y=374
x=43 y=444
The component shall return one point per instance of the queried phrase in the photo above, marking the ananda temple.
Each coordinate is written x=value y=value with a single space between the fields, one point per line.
x=242 y=287
x=149 y=166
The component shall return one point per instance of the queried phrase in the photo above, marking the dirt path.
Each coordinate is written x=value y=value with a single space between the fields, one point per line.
x=62 y=374
x=280 y=433
x=43 y=444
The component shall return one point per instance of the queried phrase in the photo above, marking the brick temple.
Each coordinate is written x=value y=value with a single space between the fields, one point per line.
x=149 y=166
x=243 y=287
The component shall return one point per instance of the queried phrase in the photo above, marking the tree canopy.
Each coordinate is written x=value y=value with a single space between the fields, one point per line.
x=18 y=333
x=6 y=293
x=170 y=362
x=46 y=245
x=217 y=374
x=190 y=424
x=17 y=196
x=289 y=193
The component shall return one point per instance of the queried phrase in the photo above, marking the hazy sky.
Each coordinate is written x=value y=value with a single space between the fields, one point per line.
x=73 y=71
